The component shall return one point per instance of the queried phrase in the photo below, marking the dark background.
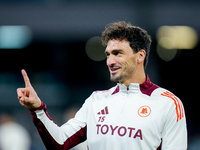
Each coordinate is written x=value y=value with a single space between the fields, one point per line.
x=64 y=76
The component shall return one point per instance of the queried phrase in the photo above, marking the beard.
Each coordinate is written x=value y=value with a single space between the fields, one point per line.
x=118 y=78
x=125 y=73
x=122 y=76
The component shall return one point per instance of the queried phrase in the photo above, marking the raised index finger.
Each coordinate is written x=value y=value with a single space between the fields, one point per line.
x=26 y=79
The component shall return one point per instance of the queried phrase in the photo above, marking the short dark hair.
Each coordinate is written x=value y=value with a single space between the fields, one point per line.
x=137 y=37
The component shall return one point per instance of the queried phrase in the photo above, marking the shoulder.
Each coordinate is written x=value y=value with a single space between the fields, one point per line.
x=105 y=92
x=166 y=97
x=170 y=101
x=163 y=94
x=99 y=94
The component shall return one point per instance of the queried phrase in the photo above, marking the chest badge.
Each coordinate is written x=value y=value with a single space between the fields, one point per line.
x=144 y=111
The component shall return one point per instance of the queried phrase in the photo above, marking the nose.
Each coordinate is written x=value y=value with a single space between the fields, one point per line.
x=110 y=60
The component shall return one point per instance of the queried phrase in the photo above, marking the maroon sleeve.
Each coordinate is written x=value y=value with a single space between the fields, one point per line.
x=48 y=140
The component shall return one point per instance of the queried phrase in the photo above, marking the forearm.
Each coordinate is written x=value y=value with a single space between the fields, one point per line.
x=53 y=136
x=39 y=117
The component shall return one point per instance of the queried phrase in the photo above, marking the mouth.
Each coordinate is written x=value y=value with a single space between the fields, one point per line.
x=114 y=70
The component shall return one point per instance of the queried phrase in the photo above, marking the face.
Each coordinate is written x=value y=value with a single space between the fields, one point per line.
x=121 y=60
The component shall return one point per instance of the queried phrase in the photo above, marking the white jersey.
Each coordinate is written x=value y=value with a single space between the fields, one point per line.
x=141 y=117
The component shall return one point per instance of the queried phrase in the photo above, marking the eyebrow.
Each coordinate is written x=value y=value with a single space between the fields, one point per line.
x=115 y=50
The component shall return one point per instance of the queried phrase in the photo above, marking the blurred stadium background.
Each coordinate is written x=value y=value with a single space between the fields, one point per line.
x=58 y=44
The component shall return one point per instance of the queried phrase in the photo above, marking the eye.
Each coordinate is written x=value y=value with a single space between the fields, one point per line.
x=117 y=53
x=107 y=54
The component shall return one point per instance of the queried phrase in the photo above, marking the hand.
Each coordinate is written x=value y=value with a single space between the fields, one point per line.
x=27 y=96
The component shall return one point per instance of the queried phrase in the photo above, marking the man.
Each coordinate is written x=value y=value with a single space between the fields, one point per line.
x=135 y=114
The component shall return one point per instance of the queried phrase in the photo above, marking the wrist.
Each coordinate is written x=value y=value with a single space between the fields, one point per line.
x=42 y=106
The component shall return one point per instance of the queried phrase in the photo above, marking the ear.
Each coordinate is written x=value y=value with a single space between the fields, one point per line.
x=141 y=56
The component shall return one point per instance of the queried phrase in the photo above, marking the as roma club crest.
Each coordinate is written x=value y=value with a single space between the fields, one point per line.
x=144 y=111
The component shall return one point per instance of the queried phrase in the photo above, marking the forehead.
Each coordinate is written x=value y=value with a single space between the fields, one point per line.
x=116 y=44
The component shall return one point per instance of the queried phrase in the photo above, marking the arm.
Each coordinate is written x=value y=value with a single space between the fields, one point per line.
x=68 y=135
x=53 y=136
x=174 y=135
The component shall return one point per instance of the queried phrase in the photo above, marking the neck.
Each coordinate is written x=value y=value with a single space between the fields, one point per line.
x=136 y=77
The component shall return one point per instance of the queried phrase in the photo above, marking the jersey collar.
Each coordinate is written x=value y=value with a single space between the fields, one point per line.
x=146 y=88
